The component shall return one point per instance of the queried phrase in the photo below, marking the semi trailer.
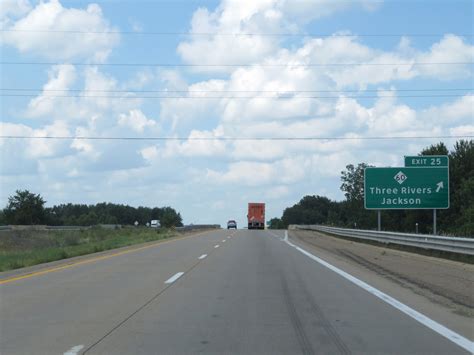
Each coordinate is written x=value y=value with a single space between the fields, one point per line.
x=256 y=215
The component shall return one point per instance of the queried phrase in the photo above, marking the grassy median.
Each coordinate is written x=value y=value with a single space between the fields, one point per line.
x=30 y=247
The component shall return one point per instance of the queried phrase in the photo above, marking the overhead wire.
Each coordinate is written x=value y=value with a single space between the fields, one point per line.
x=232 y=65
x=228 y=97
x=230 y=34
x=230 y=91
x=225 y=138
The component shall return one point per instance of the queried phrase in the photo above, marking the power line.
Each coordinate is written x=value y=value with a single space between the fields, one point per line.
x=284 y=65
x=471 y=135
x=233 y=91
x=229 y=97
x=230 y=34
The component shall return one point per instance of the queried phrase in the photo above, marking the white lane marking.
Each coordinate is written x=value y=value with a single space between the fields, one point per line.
x=223 y=240
x=202 y=256
x=419 y=317
x=74 y=350
x=228 y=237
x=216 y=246
x=174 y=277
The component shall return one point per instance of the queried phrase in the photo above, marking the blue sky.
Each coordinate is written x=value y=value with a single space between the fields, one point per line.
x=212 y=181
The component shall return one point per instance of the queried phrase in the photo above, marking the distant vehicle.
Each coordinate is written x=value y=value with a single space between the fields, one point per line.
x=155 y=223
x=256 y=216
x=231 y=224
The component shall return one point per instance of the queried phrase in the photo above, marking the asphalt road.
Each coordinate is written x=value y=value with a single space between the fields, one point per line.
x=244 y=292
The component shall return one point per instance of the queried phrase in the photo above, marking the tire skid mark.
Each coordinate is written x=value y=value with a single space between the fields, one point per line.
x=325 y=323
x=303 y=340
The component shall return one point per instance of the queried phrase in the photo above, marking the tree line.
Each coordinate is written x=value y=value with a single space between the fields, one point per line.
x=350 y=213
x=27 y=208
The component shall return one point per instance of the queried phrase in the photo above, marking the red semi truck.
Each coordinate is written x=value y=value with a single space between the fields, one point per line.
x=256 y=216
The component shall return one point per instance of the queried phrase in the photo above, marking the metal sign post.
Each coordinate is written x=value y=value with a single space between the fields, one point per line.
x=434 y=221
x=379 y=221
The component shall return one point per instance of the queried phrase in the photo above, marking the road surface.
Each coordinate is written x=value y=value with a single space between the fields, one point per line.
x=220 y=292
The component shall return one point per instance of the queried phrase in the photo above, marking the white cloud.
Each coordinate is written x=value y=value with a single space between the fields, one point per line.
x=467 y=130
x=12 y=9
x=450 y=49
x=249 y=173
x=277 y=192
x=136 y=120
x=30 y=33
x=458 y=111
x=199 y=144
x=60 y=80
x=149 y=153
x=233 y=19
x=21 y=156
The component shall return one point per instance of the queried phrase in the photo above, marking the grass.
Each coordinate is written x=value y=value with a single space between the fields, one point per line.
x=28 y=247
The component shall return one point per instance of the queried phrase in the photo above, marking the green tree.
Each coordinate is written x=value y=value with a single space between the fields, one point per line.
x=435 y=149
x=25 y=208
x=353 y=182
x=276 y=223
x=170 y=218
x=3 y=220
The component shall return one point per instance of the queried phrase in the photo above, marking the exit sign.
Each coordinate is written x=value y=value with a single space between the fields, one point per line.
x=431 y=161
x=406 y=188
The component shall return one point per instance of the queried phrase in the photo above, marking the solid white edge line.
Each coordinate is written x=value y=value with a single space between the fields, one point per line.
x=74 y=350
x=202 y=256
x=216 y=246
x=174 y=277
x=419 y=317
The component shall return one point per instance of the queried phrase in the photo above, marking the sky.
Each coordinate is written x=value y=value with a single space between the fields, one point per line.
x=199 y=71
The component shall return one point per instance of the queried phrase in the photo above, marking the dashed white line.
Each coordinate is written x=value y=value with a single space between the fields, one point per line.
x=228 y=237
x=216 y=246
x=174 y=277
x=203 y=256
x=74 y=350
x=223 y=240
x=419 y=317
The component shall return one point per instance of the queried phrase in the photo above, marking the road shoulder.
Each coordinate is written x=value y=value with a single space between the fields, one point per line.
x=400 y=274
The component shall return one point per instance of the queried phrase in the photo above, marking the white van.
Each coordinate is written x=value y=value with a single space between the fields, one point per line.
x=155 y=223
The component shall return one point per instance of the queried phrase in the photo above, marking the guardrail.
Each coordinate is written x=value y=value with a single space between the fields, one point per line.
x=424 y=241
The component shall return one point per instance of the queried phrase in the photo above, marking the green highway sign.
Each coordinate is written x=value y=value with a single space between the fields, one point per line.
x=406 y=188
x=427 y=161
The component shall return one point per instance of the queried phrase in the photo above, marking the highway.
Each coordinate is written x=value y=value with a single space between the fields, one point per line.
x=218 y=292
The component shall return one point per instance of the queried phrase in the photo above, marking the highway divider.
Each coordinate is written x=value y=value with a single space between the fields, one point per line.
x=464 y=246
